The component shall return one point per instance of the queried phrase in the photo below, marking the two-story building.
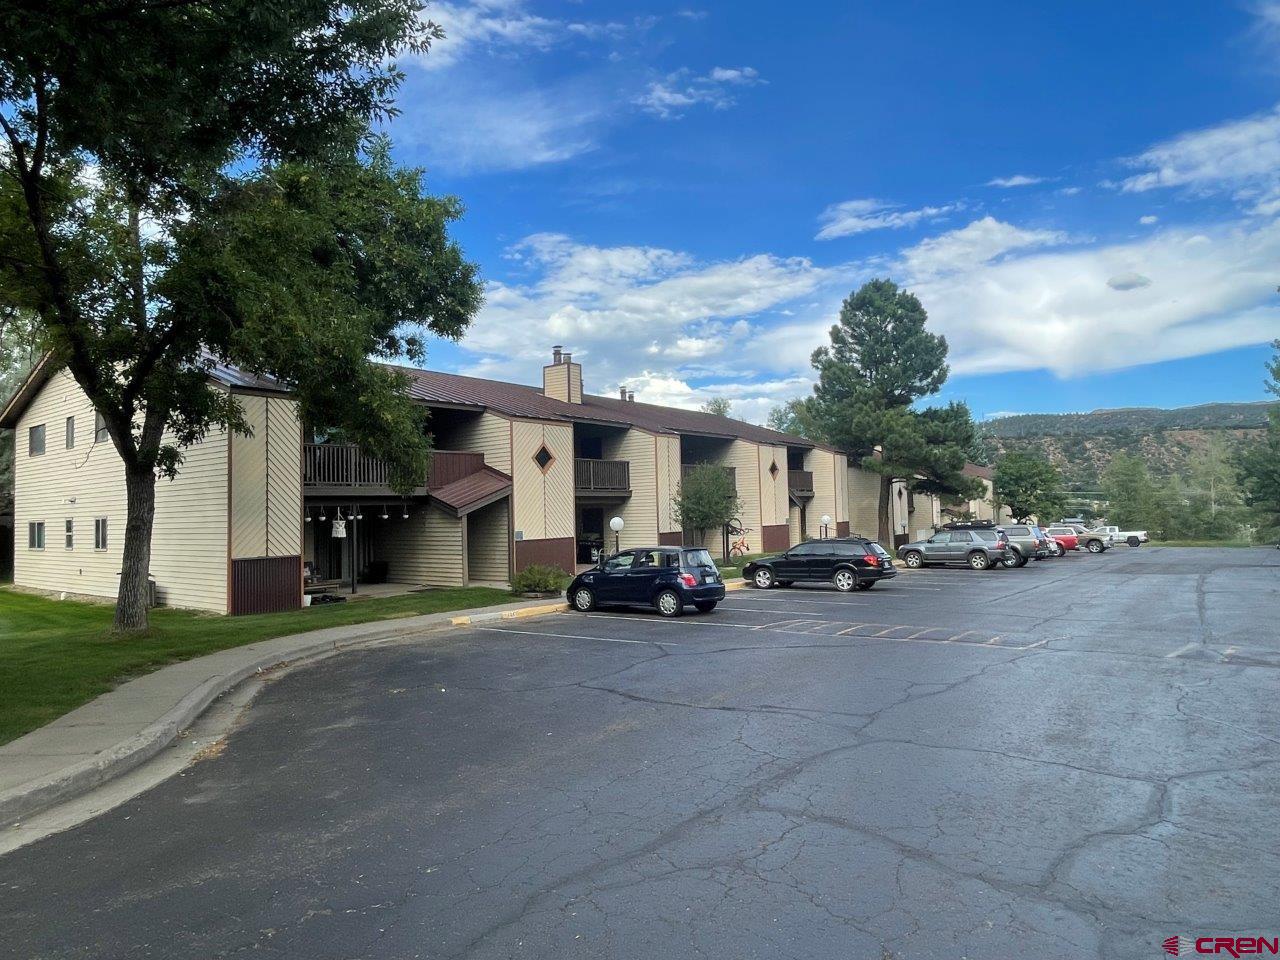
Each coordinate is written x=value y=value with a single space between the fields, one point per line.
x=520 y=475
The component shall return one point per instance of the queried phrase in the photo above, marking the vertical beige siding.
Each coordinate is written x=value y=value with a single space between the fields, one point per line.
x=823 y=465
x=773 y=487
x=555 y=381
x=427 y=548
x=488 y=547
x=266 y=481
x=639 y=512
x=842 y=487
x=189 y=541
x=668 y=481
x=794 y=533
x=543 y=500
x=490 y=434
x=864 y=501
x=744 y=457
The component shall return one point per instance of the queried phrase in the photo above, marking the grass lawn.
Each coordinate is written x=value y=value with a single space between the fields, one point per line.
x=56 y=655
x=733 y=567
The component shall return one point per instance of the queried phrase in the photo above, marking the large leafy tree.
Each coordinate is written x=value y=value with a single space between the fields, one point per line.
x=1029 y=485
x=1259 y=463
x=17 y=356
x=881 y=360
x=1130 y=493
x=190 y=182
x=707 y=499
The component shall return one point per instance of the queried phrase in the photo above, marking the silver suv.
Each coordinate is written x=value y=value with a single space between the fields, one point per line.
x=1026 y=542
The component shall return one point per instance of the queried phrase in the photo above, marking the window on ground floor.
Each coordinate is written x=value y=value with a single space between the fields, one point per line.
x=100 y=533
x=71 y=433
x=70 y=534
x=35 y=535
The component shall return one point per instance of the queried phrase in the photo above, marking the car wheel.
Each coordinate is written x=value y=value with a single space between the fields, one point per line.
x=1134 y=542
x=669 y=603
x=584 y=601
x=979 y=560
x=866 y=584
x=914 y=559
x=705 y=606
x=1095 y=546
x=1058 y=550
x=1022 y=561
x=763 y=578
x=844 y=580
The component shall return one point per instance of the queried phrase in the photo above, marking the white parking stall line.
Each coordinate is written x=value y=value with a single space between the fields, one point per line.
x=574 y=636
x=1181 y=650
x=831 y=602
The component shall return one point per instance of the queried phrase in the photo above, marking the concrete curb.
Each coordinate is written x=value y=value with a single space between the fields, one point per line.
x=41 y=792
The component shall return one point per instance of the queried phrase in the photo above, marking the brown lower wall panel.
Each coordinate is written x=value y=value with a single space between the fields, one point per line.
x=675 y=539
x=266 y=584
x=842 y=528
x=555 y=552
x=774 y=539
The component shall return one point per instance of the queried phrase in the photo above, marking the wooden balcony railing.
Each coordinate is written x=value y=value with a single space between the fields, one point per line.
x=800 y=481
x=602 y=474
x=342 y=465
x=687 y=468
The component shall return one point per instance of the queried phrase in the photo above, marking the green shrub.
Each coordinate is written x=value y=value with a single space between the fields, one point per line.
x=539 y=579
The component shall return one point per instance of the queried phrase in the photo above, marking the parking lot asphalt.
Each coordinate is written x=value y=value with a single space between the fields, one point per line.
x=1075 y=759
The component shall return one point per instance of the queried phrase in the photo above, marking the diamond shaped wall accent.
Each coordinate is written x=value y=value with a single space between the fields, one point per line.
x=773 y=469
x=543 y=458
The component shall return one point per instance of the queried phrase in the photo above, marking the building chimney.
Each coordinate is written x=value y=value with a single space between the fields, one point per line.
x=562 y=378
x=622 y=393
x=631 y=395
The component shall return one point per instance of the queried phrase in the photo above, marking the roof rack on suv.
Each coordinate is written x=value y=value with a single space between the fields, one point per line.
x=970 y=525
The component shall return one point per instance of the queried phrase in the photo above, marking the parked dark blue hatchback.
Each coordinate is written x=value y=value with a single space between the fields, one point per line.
x=665 y=578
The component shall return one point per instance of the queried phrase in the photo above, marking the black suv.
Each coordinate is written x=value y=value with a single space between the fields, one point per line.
x=848 y=563
x=666 y=578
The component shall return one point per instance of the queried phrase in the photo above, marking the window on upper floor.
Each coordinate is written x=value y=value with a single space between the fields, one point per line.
x=100 y=433
x=35 y=440
x=71 y=432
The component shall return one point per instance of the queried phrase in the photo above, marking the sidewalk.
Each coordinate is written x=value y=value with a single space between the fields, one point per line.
x=129 y=725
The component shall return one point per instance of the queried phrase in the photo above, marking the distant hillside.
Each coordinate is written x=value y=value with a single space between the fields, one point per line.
x=1205 y=416
x=1081 y=445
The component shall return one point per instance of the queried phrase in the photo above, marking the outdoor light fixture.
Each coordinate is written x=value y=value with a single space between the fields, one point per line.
x=359 y=514
x=383 y=515
x=616 y=526
x=322 y=517
x=826 y=522
x=306 y=515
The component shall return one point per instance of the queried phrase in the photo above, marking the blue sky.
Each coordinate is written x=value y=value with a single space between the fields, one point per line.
x=1084 y=197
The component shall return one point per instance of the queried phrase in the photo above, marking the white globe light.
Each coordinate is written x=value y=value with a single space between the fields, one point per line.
x=616 y=524
x=826 y=520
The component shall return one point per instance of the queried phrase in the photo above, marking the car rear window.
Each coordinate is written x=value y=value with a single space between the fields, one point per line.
x=846 y=549
x=987 y=534
x=1019 y=532
x=878 y=550
x=698 y=559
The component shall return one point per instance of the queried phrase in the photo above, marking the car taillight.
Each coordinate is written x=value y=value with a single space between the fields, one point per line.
x=688 y=579
x=871 y=560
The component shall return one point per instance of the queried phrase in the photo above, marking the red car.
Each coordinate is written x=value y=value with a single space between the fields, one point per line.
x=1065 y=542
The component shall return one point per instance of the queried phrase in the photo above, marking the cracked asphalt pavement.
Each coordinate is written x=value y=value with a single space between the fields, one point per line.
x=1076 y=759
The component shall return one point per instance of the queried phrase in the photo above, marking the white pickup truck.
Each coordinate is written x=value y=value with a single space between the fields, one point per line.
x=1134 y=538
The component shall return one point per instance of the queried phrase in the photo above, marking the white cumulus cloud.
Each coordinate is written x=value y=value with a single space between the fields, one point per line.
x=1017 y=180
x=852 y=217
x=670 y=97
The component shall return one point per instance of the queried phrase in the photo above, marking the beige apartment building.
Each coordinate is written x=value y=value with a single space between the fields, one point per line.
x=520 y=475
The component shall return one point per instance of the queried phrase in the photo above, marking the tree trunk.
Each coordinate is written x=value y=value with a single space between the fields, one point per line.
x=885 y=515
x=134 y=596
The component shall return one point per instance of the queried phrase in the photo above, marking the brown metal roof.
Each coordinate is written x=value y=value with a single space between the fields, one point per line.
x=473 y=491
x=521 y=400
x=976 y=470
x=512 y=399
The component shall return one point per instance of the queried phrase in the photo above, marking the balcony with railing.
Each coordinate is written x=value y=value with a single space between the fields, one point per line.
x=341 y=469
x=602 y=477
x=800 y=482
